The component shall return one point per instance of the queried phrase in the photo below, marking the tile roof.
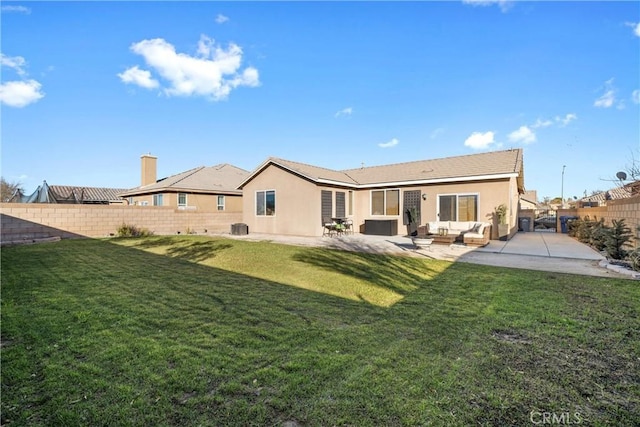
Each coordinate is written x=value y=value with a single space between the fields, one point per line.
x=614 y=194
x=222 y=178
x=470 y=166
x=85 y=194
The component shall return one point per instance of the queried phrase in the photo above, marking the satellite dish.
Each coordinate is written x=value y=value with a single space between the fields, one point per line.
x=621 y=176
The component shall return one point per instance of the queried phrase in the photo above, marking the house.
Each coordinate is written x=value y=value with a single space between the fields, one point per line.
x=205 y=189
x=65 y=194
x=529 y=200
x=287 y=197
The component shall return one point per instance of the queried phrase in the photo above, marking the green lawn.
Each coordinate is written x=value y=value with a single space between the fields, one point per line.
x=186 y=331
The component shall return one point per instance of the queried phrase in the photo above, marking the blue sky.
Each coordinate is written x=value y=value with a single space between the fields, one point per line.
x=87 y=87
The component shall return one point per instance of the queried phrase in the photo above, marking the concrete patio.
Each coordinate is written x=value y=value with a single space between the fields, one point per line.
x=544 y=251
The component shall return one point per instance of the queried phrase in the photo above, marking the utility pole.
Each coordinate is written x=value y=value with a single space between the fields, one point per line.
x=562 y=186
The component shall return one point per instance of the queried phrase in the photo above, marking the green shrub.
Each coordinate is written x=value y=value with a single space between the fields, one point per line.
x=127 y=230
x=634 y=258
x=616 y=238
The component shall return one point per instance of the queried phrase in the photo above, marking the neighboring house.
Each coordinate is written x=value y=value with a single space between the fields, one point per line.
x=286 y=197
x=529 y=200
x=601 y=198
x=46 y=193
x=205 y=189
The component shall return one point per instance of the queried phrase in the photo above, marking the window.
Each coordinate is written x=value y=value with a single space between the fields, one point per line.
x=340 y=204
x=220 y=203
x=266 y=203
x=182 y=199
x=385 y=202
x=458 y=207
x=350 y=202
x=157 y=200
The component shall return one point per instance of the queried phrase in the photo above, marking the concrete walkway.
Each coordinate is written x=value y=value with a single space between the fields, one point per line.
x=544 y=251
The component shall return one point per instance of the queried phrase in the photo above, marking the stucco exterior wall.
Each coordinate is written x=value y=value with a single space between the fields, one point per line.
x=490 y=194
x=33 y=221
x=198 y=202
x=298 y=203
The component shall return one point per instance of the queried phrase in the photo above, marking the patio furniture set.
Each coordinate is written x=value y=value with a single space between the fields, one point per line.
x=469 y=233
x=337 y=226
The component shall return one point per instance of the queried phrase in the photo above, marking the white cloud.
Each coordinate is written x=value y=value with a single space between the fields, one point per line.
x=213 y=73
x=504 y=5
x=608 y=98
x=221 y=19
x=16 y=9
x=635 y=26
x=14 y=62
x=542 y=123
x=20 y=93
x=635 y=96
x=389 y=144
x=523 y=135
x=568 y=118
x=344 y=112
x=139 y=77
x=479 y=140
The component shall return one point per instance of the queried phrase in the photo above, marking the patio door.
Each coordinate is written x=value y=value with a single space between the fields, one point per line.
x=411 y=205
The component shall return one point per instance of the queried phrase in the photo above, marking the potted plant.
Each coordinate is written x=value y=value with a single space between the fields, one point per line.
x=503 y=227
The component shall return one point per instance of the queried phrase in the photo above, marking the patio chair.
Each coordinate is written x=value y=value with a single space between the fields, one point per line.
x=328 y=227
x=348 y=226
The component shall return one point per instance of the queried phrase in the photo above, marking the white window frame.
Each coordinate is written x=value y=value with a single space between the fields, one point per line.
x=156 y=198
x=221 y=205
x=186 y=200
x=255 y=198
x=384 y=190
x=458 y=204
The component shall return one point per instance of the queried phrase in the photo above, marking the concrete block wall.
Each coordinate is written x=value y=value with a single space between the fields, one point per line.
x=627 y=209
x=34 y=221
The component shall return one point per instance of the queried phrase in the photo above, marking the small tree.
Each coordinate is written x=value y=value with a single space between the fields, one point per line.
x=8 y=189
x=617 y=236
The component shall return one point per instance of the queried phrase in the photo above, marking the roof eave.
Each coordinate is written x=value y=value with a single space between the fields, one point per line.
x=437 y=180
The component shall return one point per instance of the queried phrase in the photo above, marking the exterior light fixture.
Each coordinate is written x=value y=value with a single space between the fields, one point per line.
x=424 y=196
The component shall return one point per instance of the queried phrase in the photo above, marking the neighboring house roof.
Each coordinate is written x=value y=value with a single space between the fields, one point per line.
x=491 y=165
x=535 y=204
x=612 y=194
x=46 y=193
x=220 y=179
x=87 y=194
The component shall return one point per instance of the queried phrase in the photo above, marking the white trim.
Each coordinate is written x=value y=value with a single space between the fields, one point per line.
x=419 y=182
x=255 y=205
x=269 y=161
x=186 y=200
x=384 y=190
x=477 y=194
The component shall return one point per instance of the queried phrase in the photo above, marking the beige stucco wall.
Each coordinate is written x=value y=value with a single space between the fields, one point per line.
x=490 y=194
x=32 y=221
x=199 y=202
x=298 y=203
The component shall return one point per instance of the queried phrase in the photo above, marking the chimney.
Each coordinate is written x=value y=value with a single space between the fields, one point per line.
x=148 y=169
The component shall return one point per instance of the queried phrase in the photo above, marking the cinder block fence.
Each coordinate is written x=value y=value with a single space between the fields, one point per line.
x=35 y=221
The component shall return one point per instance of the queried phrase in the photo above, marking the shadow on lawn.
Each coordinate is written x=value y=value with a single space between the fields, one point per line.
x=397 y=273
x=189 y=250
